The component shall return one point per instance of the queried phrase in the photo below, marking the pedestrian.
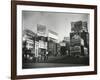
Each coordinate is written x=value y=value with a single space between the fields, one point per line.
x=42 y=55
x=46 y=55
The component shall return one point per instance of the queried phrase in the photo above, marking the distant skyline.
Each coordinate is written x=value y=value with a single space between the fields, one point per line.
x=57 y=22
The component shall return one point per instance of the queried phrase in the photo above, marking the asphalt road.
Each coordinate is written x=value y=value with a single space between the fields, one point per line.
x=59 y=61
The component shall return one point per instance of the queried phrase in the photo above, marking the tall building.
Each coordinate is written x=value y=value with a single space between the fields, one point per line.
x=29 y=37
x=41 y=46
x=79 y=38
x=52 y=42
x=28 y=45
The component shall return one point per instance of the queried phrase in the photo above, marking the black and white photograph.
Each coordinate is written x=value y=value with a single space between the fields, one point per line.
x=54 y=39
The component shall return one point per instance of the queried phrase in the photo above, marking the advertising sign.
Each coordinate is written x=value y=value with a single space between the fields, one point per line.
x=41 y=30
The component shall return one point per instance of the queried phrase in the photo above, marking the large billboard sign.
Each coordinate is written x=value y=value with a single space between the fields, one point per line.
x=76 y=26
x=41 y=30
x=52 y=35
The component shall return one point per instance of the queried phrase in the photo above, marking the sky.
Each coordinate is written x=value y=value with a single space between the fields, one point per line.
x=56 y=21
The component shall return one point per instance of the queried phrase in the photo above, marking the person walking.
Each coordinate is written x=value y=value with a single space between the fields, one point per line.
x=46 y=56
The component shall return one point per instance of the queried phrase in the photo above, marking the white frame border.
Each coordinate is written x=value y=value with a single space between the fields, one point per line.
x=35 y=71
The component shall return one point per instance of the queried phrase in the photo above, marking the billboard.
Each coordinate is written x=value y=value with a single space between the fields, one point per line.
x=41 y=30
x=76 y=26
x=53 y=35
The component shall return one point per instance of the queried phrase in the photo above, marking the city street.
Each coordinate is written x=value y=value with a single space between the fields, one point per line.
x=48 y=39
x=59 y=61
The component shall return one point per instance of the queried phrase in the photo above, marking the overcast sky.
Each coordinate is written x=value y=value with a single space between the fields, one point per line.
x=58 y=22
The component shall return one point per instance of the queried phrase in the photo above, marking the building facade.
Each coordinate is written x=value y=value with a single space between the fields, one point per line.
x=41 y=47
x=79 y=38
x=52 y=43
x=28 y=45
